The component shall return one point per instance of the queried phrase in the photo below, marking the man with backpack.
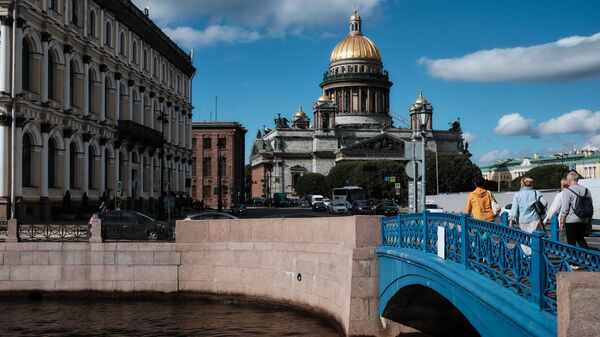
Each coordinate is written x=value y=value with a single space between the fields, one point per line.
x=576 y=211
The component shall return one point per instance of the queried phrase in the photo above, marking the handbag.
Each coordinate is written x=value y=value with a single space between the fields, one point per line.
x=495 y=206
x=539 y=208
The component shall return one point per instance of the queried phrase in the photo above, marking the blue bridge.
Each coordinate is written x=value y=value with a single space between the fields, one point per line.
x=450 y=274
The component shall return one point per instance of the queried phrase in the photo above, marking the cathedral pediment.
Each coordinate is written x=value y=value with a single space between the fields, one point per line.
x=381 y=146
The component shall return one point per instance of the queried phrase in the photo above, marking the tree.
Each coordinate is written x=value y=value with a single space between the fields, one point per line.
x=370 y=175
x=544 y=177
x=341 y=174
x=312 y=183
x=456 y=173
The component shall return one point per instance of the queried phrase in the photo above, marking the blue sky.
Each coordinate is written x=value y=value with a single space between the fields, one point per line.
x=523 y=76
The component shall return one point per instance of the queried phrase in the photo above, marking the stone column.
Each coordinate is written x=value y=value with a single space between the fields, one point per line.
x=176 y=136
x=44 y=86
x=5 y=122
x=18 y=45
x=66 y=78
x=142 y=112
x=152 y=112
x=103 y=159
x=86 y=84
x=130 y=83
x=67 y=155
x=151 y=177
x=5 y=34
x=86 y=161
x=19 y=157
x=117 y=166
x=102 y=96
x=118 y=77
x=44 y=165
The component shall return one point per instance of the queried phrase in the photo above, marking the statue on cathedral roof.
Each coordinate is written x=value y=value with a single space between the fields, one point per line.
x=281 y=123
x=455 y=125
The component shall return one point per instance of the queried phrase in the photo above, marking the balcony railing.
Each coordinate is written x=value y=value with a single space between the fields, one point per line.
x=353 y=76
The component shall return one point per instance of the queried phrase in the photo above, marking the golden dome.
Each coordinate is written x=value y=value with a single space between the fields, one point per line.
x=299 y=114
x=421 y=99
x=324 y=98
x=355 y=45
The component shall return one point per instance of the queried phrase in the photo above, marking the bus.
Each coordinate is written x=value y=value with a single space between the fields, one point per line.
x=347 y=195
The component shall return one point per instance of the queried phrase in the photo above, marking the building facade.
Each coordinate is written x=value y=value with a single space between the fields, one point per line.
x=585 y=162
x=219 y=152
x=351 y=121
x=102 y=103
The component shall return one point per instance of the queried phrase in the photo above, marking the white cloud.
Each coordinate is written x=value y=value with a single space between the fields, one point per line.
x=515 y=125
x=469 y=137
x=581 y=121
x=251 y=20
x=593 y=142
x=189 y=37
x=567 y=59
x=494 y=155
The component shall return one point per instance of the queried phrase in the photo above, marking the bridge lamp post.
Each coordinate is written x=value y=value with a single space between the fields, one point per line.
x=424 y=115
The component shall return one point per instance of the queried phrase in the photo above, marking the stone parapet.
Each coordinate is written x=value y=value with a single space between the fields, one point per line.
x=578 y=296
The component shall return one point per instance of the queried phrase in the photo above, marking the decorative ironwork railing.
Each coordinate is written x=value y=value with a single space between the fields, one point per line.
x=3 y=230
x=53 y=232
x=526 y=263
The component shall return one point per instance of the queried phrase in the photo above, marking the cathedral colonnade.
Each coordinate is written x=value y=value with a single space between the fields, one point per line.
x=97 y=102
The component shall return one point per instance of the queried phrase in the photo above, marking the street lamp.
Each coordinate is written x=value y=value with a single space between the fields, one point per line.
x=424 y=119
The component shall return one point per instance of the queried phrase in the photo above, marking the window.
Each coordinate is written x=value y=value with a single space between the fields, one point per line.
x=25 y=66
x=26 y=161
x=52 y=154
x=122 y=43
x=206 y=192
x=134 y=52
x=154 y=67
x=75 y=12
x=91 y=93
x=206 y=166
x=91 y=167
x=207 y=143
x=222 y=142
x=164 y=73
x=193 y=143
x=108 y=37
x=51 y=94
x=107 y=105
x=222 y=166
x=106 y=172
x=145 y=60
x=54 y=5
x=73 y=166
x=93 y=23
x=72 y=91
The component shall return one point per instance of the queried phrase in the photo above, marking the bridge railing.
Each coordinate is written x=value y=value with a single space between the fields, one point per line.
x=526 y=263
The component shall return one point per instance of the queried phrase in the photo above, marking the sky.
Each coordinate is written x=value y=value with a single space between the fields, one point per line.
x=522 y=76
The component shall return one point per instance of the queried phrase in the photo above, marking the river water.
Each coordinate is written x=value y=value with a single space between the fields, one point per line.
x=154 y=315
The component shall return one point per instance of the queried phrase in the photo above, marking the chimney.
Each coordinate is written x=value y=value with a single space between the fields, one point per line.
x=147 y=11
x=536 y=156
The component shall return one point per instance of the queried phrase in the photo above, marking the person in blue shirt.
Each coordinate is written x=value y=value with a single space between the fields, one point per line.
x=523 y=212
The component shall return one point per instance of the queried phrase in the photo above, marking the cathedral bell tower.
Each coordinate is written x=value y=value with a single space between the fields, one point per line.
x=419 y=105
x=324 y=111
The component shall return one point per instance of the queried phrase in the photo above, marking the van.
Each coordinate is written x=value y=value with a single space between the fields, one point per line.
x=314 y=198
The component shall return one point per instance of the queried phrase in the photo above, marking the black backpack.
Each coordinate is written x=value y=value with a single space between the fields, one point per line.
x=538 y=206
x=583 y=205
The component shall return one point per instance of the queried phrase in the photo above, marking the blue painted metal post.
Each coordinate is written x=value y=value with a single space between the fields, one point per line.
x=425 y=232
x=538 y=270
x=399 y=232
x=504 y=218
x=554 y=228
x=464 y=241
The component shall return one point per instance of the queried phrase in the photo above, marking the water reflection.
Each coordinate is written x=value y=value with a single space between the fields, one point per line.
x=158 y=316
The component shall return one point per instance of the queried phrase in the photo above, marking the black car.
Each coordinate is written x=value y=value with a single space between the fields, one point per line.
x=238 y=209
x=386 y=207
x=319 y=206
x=361 y=207
x=131 y=225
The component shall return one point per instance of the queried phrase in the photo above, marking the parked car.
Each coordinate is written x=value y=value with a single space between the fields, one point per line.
x=319 y=206
x=131 y=225
x=386 y=207
x=303 y=203
x=337 y=208
x=361 y=207
x=327 y=202
x=432 y=207
x=210 y=216
x=238 y=209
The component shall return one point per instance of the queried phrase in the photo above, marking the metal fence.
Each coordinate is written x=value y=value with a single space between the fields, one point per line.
x=526 y=263
x=3 y=230
x=53 y=232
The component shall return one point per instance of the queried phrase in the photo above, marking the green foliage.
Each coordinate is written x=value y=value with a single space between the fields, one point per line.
x=544 y=177
x=370 y=175
x=341 y=174
x=312 y=183
x=456 y=173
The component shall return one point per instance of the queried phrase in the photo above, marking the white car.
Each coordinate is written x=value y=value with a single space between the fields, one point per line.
x=337 y=208
x=327 y=202
x=432 y=207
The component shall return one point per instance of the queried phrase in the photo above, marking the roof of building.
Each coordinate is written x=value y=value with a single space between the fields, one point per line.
x=217 y=125
x=580 y=157
x=355 y=45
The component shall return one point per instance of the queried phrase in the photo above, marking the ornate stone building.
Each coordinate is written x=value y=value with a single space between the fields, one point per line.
x=351 y=121
x=103 y=102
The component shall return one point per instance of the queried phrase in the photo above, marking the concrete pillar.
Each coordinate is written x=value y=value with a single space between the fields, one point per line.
x=66 y=166
x=5 y=123
x=86 y=89
x=66 y=82
x=86 y=167
x=5 y=50
x=103 y=159
x=44 y=93
x=44 y=168
x=102 y=96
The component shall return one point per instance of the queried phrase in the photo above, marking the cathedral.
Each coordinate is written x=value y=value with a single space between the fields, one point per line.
x=351 y=121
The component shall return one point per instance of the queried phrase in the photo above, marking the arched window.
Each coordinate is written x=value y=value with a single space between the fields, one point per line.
x=93 y=23
x=52 y=153
x=25 y=66
x=72 y=90
x=145 y=59
x=73 y=166
x=91 y=167
x=107 y=106
x=154 y=67
x=122 y=43
x=134 y=52
x=108 y=37
x=75 y=12
x=106 y=171
x=51 y=93
x=54 y=5
x=91 y=94
x=26 y=160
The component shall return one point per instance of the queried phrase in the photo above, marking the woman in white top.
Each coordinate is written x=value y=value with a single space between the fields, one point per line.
x=555 y=207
